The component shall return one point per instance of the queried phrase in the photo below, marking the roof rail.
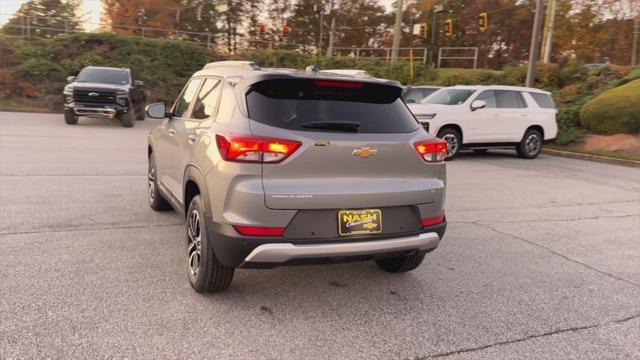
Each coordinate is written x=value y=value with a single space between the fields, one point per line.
x=248 y=65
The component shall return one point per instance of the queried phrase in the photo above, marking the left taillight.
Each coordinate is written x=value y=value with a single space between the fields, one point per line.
x=255 y=149
x=259 y=230
x=431 y=151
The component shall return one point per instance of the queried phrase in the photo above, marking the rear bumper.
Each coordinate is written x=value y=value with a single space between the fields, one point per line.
x=284 y=252
x=235 y=250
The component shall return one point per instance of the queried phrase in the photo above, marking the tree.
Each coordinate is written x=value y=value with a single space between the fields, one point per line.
x=279 y=12
x=128 y=17
x=44 y=17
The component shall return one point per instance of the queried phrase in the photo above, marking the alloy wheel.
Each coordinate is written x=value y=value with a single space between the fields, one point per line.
x=452 y=143
x=194 y=239
x=532 y=144
x=152 y=181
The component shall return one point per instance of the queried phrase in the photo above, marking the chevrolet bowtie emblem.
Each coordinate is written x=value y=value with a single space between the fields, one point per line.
x=93 y=94
x=365 y=152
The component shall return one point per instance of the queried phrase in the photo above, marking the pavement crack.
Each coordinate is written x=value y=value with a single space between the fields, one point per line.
x=558 y=254
x=97 y=228
x=531 y=337
x=558 y=206
x=547 y=220
x=72 y=175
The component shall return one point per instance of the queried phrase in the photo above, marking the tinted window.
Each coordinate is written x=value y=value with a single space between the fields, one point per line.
x=449 y=97
x=543 y=100
x=181 y=106
x=427 y=92
x=305 y=105
x=413 y=96
x=205 y=106
x=509 y=99
x=488 y=96
x=109 y=76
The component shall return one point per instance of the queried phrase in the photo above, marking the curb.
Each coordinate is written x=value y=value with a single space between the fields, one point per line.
x=589 y=157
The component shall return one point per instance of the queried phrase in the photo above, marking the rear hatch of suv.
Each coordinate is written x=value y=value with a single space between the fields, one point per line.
x=356 y=149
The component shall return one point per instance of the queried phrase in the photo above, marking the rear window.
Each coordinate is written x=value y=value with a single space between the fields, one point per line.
x=296 y=104
x=543 y=100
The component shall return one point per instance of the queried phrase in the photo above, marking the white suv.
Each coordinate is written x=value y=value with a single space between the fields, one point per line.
x=487 y=117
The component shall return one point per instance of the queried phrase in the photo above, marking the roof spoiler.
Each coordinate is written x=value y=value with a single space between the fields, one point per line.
x=247 y=65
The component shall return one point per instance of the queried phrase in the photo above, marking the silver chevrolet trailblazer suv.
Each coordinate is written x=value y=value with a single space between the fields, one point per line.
x=281 y=167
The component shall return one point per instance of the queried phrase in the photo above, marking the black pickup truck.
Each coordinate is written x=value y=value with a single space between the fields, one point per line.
x=104 y=92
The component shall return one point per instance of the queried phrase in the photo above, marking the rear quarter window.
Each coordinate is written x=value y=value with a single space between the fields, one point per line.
x=543 y=100
x=290 y=103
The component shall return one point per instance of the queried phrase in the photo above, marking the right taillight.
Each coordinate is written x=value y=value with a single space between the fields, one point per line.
x=432 y=151
x=255 y=149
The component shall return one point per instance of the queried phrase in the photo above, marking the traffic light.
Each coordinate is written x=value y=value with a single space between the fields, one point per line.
x=423 y=30
x=285 y=30
x=448 y=27
x=483 y=22
x=262 y=28
x=420 y=30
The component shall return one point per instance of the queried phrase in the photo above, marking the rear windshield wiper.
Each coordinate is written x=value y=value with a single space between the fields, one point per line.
x=332 y=125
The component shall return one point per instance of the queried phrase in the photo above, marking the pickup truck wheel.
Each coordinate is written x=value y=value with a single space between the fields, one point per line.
x=401 y=263
x=128 y=119
x=206 y=274
x=156 y=201
x=452 y=137
x=531 y=145
x=140 y=112
x=69 y=117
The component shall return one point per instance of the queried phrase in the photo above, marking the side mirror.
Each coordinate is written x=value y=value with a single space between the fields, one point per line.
x=138 y=83
x=157 y=110
x=478 y=104
x=71 y=79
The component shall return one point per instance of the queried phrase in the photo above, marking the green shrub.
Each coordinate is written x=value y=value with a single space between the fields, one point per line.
x=567 y=135
x=515 y=75
x=547 y=76
x=568 y=116
x=572 y=73
x=614 y=111
x=38 y=69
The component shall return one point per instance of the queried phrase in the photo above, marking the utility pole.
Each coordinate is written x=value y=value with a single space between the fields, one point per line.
x=396 y=32
x=432 y=43
x=535 y=44
x=636 y=32
x=550 y=20
x=331 y=35
x=319 y=8
x=333 y=31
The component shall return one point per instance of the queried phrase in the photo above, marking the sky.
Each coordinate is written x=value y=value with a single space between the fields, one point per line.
x=90 y=11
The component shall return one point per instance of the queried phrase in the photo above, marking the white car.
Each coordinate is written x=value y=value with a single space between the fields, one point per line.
x=487 y=117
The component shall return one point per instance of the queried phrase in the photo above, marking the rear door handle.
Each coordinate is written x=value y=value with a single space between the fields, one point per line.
x=192 y=138
x=172 y=132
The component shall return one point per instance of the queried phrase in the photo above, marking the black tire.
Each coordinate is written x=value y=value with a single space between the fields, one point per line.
x=129 y=118
x=480 y=151
x=454 y=141
x=156 y=201
x=206 y=274
x=140 y=115
x=401 y=263
x=69 y=117
x=530 y=145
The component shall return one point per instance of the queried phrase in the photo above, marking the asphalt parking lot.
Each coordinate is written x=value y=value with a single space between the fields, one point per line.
x=541 y=260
